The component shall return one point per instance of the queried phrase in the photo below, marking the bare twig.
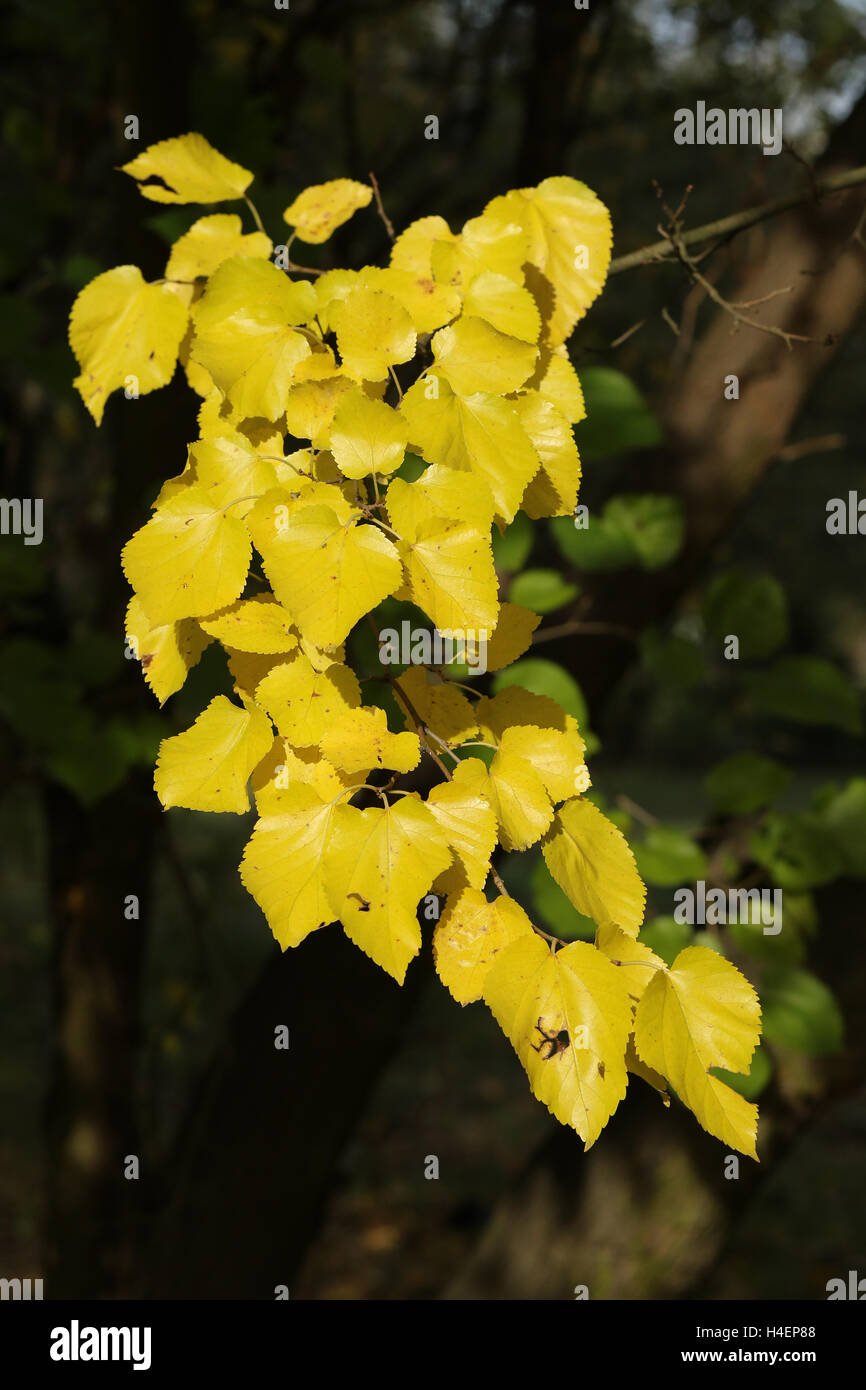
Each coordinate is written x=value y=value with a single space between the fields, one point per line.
x=581 y=627
x=736 y=313
x=389 y=225
x=739 y=221
x=818 y=445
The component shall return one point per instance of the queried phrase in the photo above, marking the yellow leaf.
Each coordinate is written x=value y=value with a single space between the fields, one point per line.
x=244 y=333
x=636 y=961
x=367 y=436
x=478 y=434
x=310 y=405
x=452 y=577
x=440 y=492
x=379 y=864
x=506 y=306
x=331 y=290
x=570 y=241
x=122 y=328
x=512 y=635
x=556 y=380
x=321 y=209
x=413 y=248
x=568 y=1017
x=229 y=472
x=486 y=243
x=471 y=934
x=593 y=865
x=207 y=767
x=359 y=739
x=190 y=170
x=652 y=1078
x=303 y=702
x=248 y=669
x=209 y=242
x=282 y=865
x=166 y=653
x=515 y=705
x=515 y=792
x=553 y=490
x=439 y=705
x=328 y=573
x=257 y=624
x=474 y=357
x=702 y=1013
x=189 y=560
x=428 y=305
x=468 y=823
x=373 y=333
x=557 y=757
x=285 y=767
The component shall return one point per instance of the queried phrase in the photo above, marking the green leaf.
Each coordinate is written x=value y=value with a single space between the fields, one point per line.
x=511 y=550
x=809 y=690
x=666 y=936
x=555 y=910
x=542 y=590
x=600 y=546
x=798 y=850
x=744 y=783
x=781 y=948
x=618 y=418
x=751 y=607
x=654 y=522
x=800 y=1013
x=845 y=818
x=644 y=530
x=667 y=857
x=544 y=677
x=751 y=1085
x=673 y=660
x=411 y=468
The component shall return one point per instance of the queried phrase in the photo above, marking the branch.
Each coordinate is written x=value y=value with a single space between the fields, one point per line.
x=735 y=310
x=738 y=221
x=389 y=225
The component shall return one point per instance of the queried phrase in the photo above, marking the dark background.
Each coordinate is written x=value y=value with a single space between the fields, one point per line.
x=153 y=1037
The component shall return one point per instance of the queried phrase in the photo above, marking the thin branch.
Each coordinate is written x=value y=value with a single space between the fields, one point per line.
x=819 y=445
x=255 y=212
x=580 y=626
x=389 y=225
x=736 y=314
x=739 y=221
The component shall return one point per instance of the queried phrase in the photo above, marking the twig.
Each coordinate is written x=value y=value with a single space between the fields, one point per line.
x=580 y=626
x=618 y=342
x=739 y=221
x=736 y=314
x=812 y=446
x=645 y=817
x=671 y=323
x=389 y=225
x=255 y=212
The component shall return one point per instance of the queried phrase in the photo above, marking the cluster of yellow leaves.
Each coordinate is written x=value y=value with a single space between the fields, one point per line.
x=289 y=524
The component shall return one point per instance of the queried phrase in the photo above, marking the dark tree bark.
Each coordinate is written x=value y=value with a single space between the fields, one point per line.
x=256 y=1156
x=93 y=868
